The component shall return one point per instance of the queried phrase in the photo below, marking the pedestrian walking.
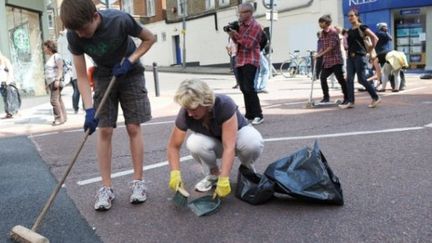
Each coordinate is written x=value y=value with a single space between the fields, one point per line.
x=8 y=90
x=106 y=37
x=219 y=131
x=247 y=60
x=357 y=59
x=231 y=48
x=54 y=81
x=70 y=76
x=395 y=61
x=331 y=58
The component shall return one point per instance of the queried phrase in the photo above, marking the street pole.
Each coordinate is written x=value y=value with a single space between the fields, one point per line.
x=184 y=3
x=107 y=4
x=270 y=40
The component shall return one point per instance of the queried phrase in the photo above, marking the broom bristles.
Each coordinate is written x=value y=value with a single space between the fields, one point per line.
x=23 y=235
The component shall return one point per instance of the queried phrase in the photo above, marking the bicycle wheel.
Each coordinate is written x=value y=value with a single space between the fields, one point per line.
x=286 y=69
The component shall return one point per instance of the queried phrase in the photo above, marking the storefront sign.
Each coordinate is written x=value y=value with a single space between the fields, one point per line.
x=414 y=11
x=375 y=5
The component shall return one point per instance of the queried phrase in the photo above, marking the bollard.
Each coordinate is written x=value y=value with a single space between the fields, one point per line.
x=156 y=78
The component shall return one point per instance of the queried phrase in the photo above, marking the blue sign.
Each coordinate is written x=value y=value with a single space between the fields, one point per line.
x=374 y=5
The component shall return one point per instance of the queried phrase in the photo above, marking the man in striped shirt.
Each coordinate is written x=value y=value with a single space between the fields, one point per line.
x=332 y=57
x=247 y=60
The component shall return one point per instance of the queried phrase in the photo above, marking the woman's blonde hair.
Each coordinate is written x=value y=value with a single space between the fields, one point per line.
x=193 y=93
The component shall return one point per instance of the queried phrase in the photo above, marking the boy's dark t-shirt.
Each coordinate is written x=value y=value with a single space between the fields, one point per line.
x=355 y=41
x=112 y=40
x=223 y=109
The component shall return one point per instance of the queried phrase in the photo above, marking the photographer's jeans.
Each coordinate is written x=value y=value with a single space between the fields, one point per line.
x=358 y=65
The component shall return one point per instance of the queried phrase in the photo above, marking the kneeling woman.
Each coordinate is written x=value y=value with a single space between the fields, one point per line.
x=219 y=131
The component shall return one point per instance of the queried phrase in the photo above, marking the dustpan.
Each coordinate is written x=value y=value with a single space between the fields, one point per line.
x=205 y=205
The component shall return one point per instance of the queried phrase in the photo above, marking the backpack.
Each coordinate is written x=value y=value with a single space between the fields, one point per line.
x=264 y=40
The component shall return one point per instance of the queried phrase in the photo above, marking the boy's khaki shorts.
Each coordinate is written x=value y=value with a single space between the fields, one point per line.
x=128 y=90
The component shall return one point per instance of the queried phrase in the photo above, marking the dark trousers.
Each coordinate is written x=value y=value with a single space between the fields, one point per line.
x=318 y=67
x=338 y=72
x=246 y=77
x=57 y=103
x=75 y=95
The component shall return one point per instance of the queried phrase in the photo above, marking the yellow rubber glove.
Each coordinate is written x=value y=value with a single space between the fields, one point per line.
x=175 y=180
x=223 y=187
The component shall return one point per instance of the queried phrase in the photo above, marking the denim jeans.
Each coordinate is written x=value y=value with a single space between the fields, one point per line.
x=358 y=65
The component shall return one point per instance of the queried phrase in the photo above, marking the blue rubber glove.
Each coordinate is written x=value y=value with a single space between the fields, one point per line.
x=90 y=122
x=123 y=68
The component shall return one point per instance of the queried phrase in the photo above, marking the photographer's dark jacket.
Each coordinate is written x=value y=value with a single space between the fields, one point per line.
x=248 y=39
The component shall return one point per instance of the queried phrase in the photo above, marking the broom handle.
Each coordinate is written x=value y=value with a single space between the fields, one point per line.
x=61 y=182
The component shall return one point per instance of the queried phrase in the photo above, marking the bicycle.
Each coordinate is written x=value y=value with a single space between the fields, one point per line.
x=296 y=65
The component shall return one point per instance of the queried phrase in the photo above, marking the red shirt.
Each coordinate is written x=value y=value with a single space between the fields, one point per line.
x=248 y=39
x=330 y=38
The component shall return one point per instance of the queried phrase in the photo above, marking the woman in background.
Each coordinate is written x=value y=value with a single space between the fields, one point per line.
x=53 y=81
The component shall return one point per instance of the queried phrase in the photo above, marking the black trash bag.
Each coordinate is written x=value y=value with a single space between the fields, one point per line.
x=13 y=98
x=253 y=188
x=306 y=174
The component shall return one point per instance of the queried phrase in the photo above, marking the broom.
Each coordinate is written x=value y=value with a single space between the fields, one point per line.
x=20 y=233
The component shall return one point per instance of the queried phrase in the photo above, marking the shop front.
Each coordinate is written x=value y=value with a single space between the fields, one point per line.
x=409 y=23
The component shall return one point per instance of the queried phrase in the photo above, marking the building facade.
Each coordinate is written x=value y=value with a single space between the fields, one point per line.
x=410 y=23
x=295 y=29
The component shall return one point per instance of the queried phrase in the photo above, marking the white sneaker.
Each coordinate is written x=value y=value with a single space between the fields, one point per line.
x=257 y=120
x=139 y=194
x=103 y=199
x=206 y=184
x=374 y=103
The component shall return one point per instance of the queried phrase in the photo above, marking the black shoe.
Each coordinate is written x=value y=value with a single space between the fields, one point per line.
x=235 y=86
x=362 y=90
x=325 y=100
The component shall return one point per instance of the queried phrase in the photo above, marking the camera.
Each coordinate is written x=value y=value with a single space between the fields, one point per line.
x=232 y=26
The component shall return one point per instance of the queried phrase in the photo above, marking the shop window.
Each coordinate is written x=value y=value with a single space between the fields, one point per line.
x=50 y=15
x=150 y=5
x=25 y=46
x=210 y=4
x=410 y=32
x=223 y=3
x=128 y=6
x=181 y=6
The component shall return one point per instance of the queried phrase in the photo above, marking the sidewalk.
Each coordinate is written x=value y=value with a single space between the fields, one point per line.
x=35 y=115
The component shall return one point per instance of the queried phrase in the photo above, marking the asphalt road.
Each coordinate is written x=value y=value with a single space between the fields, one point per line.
x=382 y=157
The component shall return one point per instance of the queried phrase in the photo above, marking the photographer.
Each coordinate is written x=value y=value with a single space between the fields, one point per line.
x=248 y=38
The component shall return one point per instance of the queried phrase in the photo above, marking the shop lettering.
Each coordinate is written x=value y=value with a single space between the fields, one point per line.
x=360 y=2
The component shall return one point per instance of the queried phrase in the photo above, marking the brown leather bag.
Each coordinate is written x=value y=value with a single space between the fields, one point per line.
x=367 y=42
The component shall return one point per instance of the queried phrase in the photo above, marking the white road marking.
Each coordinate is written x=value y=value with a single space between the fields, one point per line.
x=128 y=172
x=333 y=135
x=81 y=130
